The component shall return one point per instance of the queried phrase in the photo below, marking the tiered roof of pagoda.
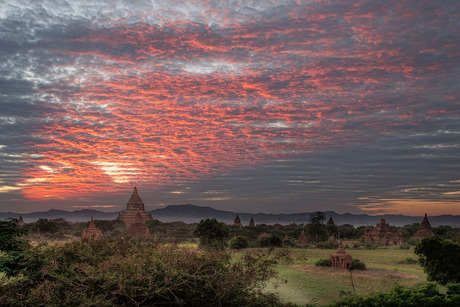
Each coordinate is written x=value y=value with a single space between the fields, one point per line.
x=134 y=204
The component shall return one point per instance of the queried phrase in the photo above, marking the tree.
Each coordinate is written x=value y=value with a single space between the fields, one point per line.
x=211 y=233
x=439 y=259
x=273 y=241
x=45 y=226
x=12 y=249
x=317 y=218
x=238 y=242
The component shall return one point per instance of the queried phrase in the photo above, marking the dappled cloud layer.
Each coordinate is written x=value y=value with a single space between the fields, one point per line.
x=108 y=94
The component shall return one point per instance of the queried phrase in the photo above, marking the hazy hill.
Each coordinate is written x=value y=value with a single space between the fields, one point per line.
x=193 y=214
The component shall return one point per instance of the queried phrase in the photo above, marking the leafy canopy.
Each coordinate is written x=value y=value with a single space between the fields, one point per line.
x=440 y=259
x=212 y=234
x=12 y=248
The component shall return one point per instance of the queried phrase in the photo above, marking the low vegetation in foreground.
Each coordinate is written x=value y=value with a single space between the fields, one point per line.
x=131 y=272
x=121 y=271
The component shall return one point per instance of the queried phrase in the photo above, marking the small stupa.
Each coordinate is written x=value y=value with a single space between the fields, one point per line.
x=424 y=230
x=302 y=238
x=91 y=232
x=21 y=221
x=251 y=223
x=340 y=259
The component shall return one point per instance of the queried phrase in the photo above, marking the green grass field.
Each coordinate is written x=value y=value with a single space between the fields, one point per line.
x=305 y=282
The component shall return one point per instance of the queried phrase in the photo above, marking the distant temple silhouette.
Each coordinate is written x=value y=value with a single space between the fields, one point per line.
x=135 y=216
x=330 y=222
x=237 y=221
x=21 y=221
x=424 y=230
x=251 y=223
x=382 y=234
x=302 y=238
x=91 y=232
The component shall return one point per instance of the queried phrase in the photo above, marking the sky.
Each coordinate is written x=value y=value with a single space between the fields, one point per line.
x=247 y=106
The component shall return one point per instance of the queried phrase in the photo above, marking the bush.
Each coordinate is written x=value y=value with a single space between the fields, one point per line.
x=370 y=245
x=425 y=295
x=238 y=242
x=408 y=260
x=273 y=241
x=129 y=272
x=357 y=265
x=404 y=246
x=327 y=245
x=288 y=243
x=323 y=262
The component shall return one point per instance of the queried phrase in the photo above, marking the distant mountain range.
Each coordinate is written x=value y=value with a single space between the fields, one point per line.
x=193 y=214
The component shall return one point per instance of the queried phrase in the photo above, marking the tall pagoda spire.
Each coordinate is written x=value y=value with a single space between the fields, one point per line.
x=134 y=205
x=135 y=201
x=424 y=230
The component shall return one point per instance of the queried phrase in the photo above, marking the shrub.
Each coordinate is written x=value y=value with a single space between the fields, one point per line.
x=288 y=243
x=273 y=241
x=238 y=242
x=409 y=260
x=327 y=245
x=425 y=295
x=404 y=246
x=323 y=262
x=129 y=272
x=370 y=245
x=357 y=265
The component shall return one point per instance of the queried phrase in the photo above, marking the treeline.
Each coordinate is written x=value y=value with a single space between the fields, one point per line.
x=179 y=232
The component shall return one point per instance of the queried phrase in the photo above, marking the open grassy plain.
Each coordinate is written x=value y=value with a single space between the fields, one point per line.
x=304 y=282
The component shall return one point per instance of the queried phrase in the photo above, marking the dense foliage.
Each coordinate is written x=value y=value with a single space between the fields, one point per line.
x=273 y=241
x=440 y=259
x=12 y=248
x=212 y=234
x=427 y=295
x=324 y=262
x=238 y=242
x=135 y=273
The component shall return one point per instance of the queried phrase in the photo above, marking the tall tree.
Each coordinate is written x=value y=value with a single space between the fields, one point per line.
x=440 y=259
x=316 y=230
x=12 y=248
x=212 y=234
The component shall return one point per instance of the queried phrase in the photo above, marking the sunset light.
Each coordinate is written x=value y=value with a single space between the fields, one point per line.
x=351 y=106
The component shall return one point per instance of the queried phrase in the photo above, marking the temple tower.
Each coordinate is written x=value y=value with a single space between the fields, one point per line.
x=340 y=259
x=424 y=230
x=137 y=226
x=134 y=204
x=302 y=238
x=237 y=221
x=91 y=232
x=330 y=222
